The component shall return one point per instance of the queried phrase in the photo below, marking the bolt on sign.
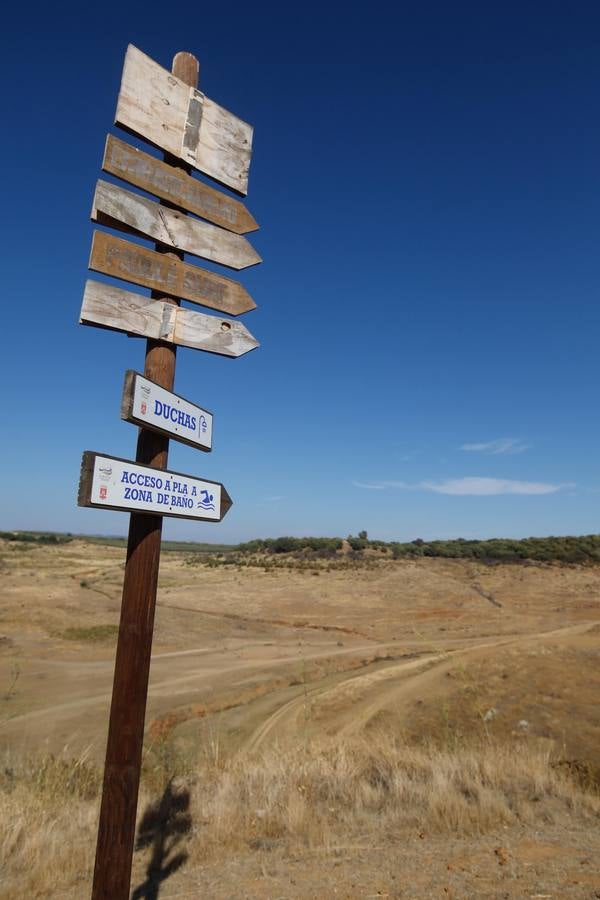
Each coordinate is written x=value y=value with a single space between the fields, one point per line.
x=165 y=109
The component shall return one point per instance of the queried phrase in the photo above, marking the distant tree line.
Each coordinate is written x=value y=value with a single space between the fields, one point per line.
x=36 y=537
x=291 y=545
x=585 y=548
x=561 y=549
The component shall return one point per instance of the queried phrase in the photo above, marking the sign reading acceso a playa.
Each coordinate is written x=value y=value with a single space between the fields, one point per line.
x=111 y=483
x=147 y=404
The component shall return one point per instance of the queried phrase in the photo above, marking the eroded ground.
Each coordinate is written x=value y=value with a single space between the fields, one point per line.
x=436 y=650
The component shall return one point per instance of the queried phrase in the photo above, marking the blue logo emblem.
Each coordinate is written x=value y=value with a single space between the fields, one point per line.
x=207 y=501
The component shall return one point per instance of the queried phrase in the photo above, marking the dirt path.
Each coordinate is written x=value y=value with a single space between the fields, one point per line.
x=288 y=713
x=346 y=705
x=341 y=701
x=177 y=677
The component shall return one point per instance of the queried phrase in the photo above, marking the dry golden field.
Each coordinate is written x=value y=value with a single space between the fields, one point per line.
x=382 y=728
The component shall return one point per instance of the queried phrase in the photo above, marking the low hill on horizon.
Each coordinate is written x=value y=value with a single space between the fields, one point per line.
x=564 y=548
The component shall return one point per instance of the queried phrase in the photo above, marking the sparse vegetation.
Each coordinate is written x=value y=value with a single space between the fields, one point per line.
x=582 y=549
x=319 y=795
x=291 y=545
x=461 y=698
x=567 y=549
x=302 y=561
x=168 y=546
x=90 y=633
x=36 y=537
x=52 y=537
x=302 y=554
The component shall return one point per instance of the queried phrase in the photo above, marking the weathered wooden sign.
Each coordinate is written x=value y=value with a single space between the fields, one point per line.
x=117 y=207
x=107 y=482
x=180 y=119
x=149 y=405
x=111 y=307
x=131 y=262
x=176 y=186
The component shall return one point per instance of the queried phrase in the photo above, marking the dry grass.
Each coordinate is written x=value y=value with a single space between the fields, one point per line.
x=321 y=795
x=47 y=820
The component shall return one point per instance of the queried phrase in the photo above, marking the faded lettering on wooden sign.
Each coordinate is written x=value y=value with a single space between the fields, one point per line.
x=176 y=186
x=140 y=265
x=157 y=106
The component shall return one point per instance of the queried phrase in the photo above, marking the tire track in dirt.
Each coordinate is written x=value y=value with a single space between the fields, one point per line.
x=294 y=705
x=282 y=717
x=160 y=687
x=346 y=706
x=284 y=623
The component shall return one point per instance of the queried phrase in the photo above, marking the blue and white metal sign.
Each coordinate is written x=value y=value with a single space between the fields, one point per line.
x=151 y=406
x=107 y=482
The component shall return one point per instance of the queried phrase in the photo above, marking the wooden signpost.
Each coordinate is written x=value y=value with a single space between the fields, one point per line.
x=166 y=109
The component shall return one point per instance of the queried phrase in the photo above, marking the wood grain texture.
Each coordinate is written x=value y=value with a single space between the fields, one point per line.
x=127 y=396
x=170 y=114
x=140 y=265
x=110 y=307
x=116 y=207
x=175 y=186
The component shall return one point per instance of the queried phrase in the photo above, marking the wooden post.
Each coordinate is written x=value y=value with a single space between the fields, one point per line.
x=116 y=829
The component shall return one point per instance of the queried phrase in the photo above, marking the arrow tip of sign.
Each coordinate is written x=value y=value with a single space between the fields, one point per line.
x=226 y=502
x=249 y=223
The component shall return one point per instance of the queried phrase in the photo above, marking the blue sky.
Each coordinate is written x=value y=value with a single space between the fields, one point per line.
x=427 y=181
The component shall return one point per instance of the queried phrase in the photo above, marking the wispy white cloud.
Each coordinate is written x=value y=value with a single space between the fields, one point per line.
x=485 y=487
x=500 y=445
x=471 y=486
x=381 y=485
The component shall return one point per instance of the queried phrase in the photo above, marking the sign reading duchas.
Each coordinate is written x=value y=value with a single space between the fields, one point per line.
x=152 y=406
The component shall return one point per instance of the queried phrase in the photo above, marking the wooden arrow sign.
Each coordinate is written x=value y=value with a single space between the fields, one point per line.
x=110 y=307
x=116 y=207
x=157 y=106
x=107 y=482
x=174 y=185
x=140 y=265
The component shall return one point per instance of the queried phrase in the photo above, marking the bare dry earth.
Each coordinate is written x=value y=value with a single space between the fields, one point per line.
x=437 y=650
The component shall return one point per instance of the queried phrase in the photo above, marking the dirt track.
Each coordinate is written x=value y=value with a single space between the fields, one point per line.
x=346 y=703
x=249 y=659
x=276 y=654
